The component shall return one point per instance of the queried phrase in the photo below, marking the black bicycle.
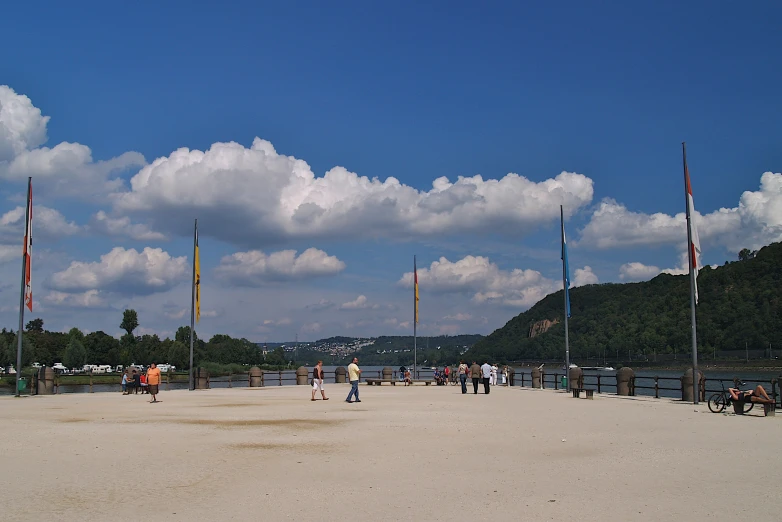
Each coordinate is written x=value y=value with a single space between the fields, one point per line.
x=719 y=401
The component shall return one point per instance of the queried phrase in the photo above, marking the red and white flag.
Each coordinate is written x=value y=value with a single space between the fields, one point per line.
x=695 y=243
x=28 y=248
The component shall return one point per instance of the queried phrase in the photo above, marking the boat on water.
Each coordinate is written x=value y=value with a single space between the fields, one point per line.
x=593 y=368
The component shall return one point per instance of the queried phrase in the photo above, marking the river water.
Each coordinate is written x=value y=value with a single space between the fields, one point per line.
x=644 y=381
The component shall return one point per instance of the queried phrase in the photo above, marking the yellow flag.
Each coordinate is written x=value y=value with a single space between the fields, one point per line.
x=415 y=277
x=197 y=281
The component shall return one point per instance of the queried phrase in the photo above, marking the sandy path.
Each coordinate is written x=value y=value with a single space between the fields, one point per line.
x=402 y=453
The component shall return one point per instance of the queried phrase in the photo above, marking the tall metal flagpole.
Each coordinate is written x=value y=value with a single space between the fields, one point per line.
x=415 y=319
x=22 y=292
x=690 y=255
x=565 y=289
x=192 y=305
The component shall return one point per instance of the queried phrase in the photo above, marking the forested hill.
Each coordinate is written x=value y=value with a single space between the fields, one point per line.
x=738 y=303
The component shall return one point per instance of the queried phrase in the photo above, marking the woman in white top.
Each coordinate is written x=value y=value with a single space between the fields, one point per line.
x=494 y=374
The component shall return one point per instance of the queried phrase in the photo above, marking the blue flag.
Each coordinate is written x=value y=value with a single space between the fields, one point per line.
x=565 y=267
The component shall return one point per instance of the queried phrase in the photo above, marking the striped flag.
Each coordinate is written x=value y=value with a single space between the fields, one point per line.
x=565 y=267
x=415 y=281
x=694 y=241
x=28 y=248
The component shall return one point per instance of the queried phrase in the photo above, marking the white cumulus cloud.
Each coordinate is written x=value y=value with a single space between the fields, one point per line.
x=256 y=268
x=67 y=168
x=262 y=196
x=48 y=224
x=88 y=299
x=584 y=276
x=125 y=272
x=636 y=271
x=756 y=221
x=122 y=226
x=22 y=126
x=359 y=303
x=483 y=279
x=640 y=272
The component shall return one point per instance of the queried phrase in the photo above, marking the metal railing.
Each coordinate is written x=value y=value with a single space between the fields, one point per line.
x=658 y=384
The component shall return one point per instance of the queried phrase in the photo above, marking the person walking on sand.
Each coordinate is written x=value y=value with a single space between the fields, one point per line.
x=124 y=384
x=354 y=374
x=153 y=381
x=494 y=374
x=486 y=370
x=475 y=375
x=317 y=381
x=463 y=376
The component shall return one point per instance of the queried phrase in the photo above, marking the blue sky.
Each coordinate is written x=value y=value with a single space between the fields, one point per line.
x=404 y=91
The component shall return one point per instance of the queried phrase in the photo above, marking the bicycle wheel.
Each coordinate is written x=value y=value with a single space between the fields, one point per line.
x=748 y=406
x=717 y=403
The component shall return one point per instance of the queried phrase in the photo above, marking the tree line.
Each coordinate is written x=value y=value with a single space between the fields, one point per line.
x=739 y=308
x=75 y=349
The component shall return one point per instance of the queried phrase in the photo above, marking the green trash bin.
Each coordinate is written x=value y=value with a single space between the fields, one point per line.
x=21 y=384
x=564 y=383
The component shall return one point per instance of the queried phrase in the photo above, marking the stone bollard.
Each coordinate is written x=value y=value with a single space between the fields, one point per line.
x=201 y=379
x=256 y=377
x=301 y=375
x=45 y=380
x=339 y=375
x=511 y=376
x=625 y=381
x=687 y=386
x=576 y=377
x=388 y=373
x=537 y=378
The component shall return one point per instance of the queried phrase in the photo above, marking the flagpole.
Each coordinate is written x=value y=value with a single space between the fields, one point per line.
x=565 y=292
x=690 y=255
x=415 y=320
x=24 y=284
x=192 y=304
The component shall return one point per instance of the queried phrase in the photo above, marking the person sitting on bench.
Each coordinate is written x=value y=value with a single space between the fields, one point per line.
x=757 y=395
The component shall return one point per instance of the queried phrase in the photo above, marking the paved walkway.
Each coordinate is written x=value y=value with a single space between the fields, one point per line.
x=415 y=453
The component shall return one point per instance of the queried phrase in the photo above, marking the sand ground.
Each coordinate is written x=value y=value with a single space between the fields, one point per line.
x=418 y=453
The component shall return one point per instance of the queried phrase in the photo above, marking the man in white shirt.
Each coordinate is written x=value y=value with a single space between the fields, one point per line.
x=354 y=374
x=486 y=371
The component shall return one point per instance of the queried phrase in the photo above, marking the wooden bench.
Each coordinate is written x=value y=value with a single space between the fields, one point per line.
x=769 y=408
x=590 y=394
x=380 y=381
x=393 y=382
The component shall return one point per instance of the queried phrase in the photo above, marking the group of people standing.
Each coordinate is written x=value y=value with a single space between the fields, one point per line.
x=485 y=373
x=146 y=382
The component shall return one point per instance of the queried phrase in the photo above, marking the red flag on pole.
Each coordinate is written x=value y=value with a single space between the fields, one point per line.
x=28 y=249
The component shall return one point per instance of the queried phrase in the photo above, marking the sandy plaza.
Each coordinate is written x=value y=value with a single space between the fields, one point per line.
x=416 y=453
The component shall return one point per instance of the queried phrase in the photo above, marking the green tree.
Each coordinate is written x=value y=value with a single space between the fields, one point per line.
x=102 y=348
x=129 y=321
x=75 y=353
x=183 y=335
x=179 y=355
x=36 y=325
